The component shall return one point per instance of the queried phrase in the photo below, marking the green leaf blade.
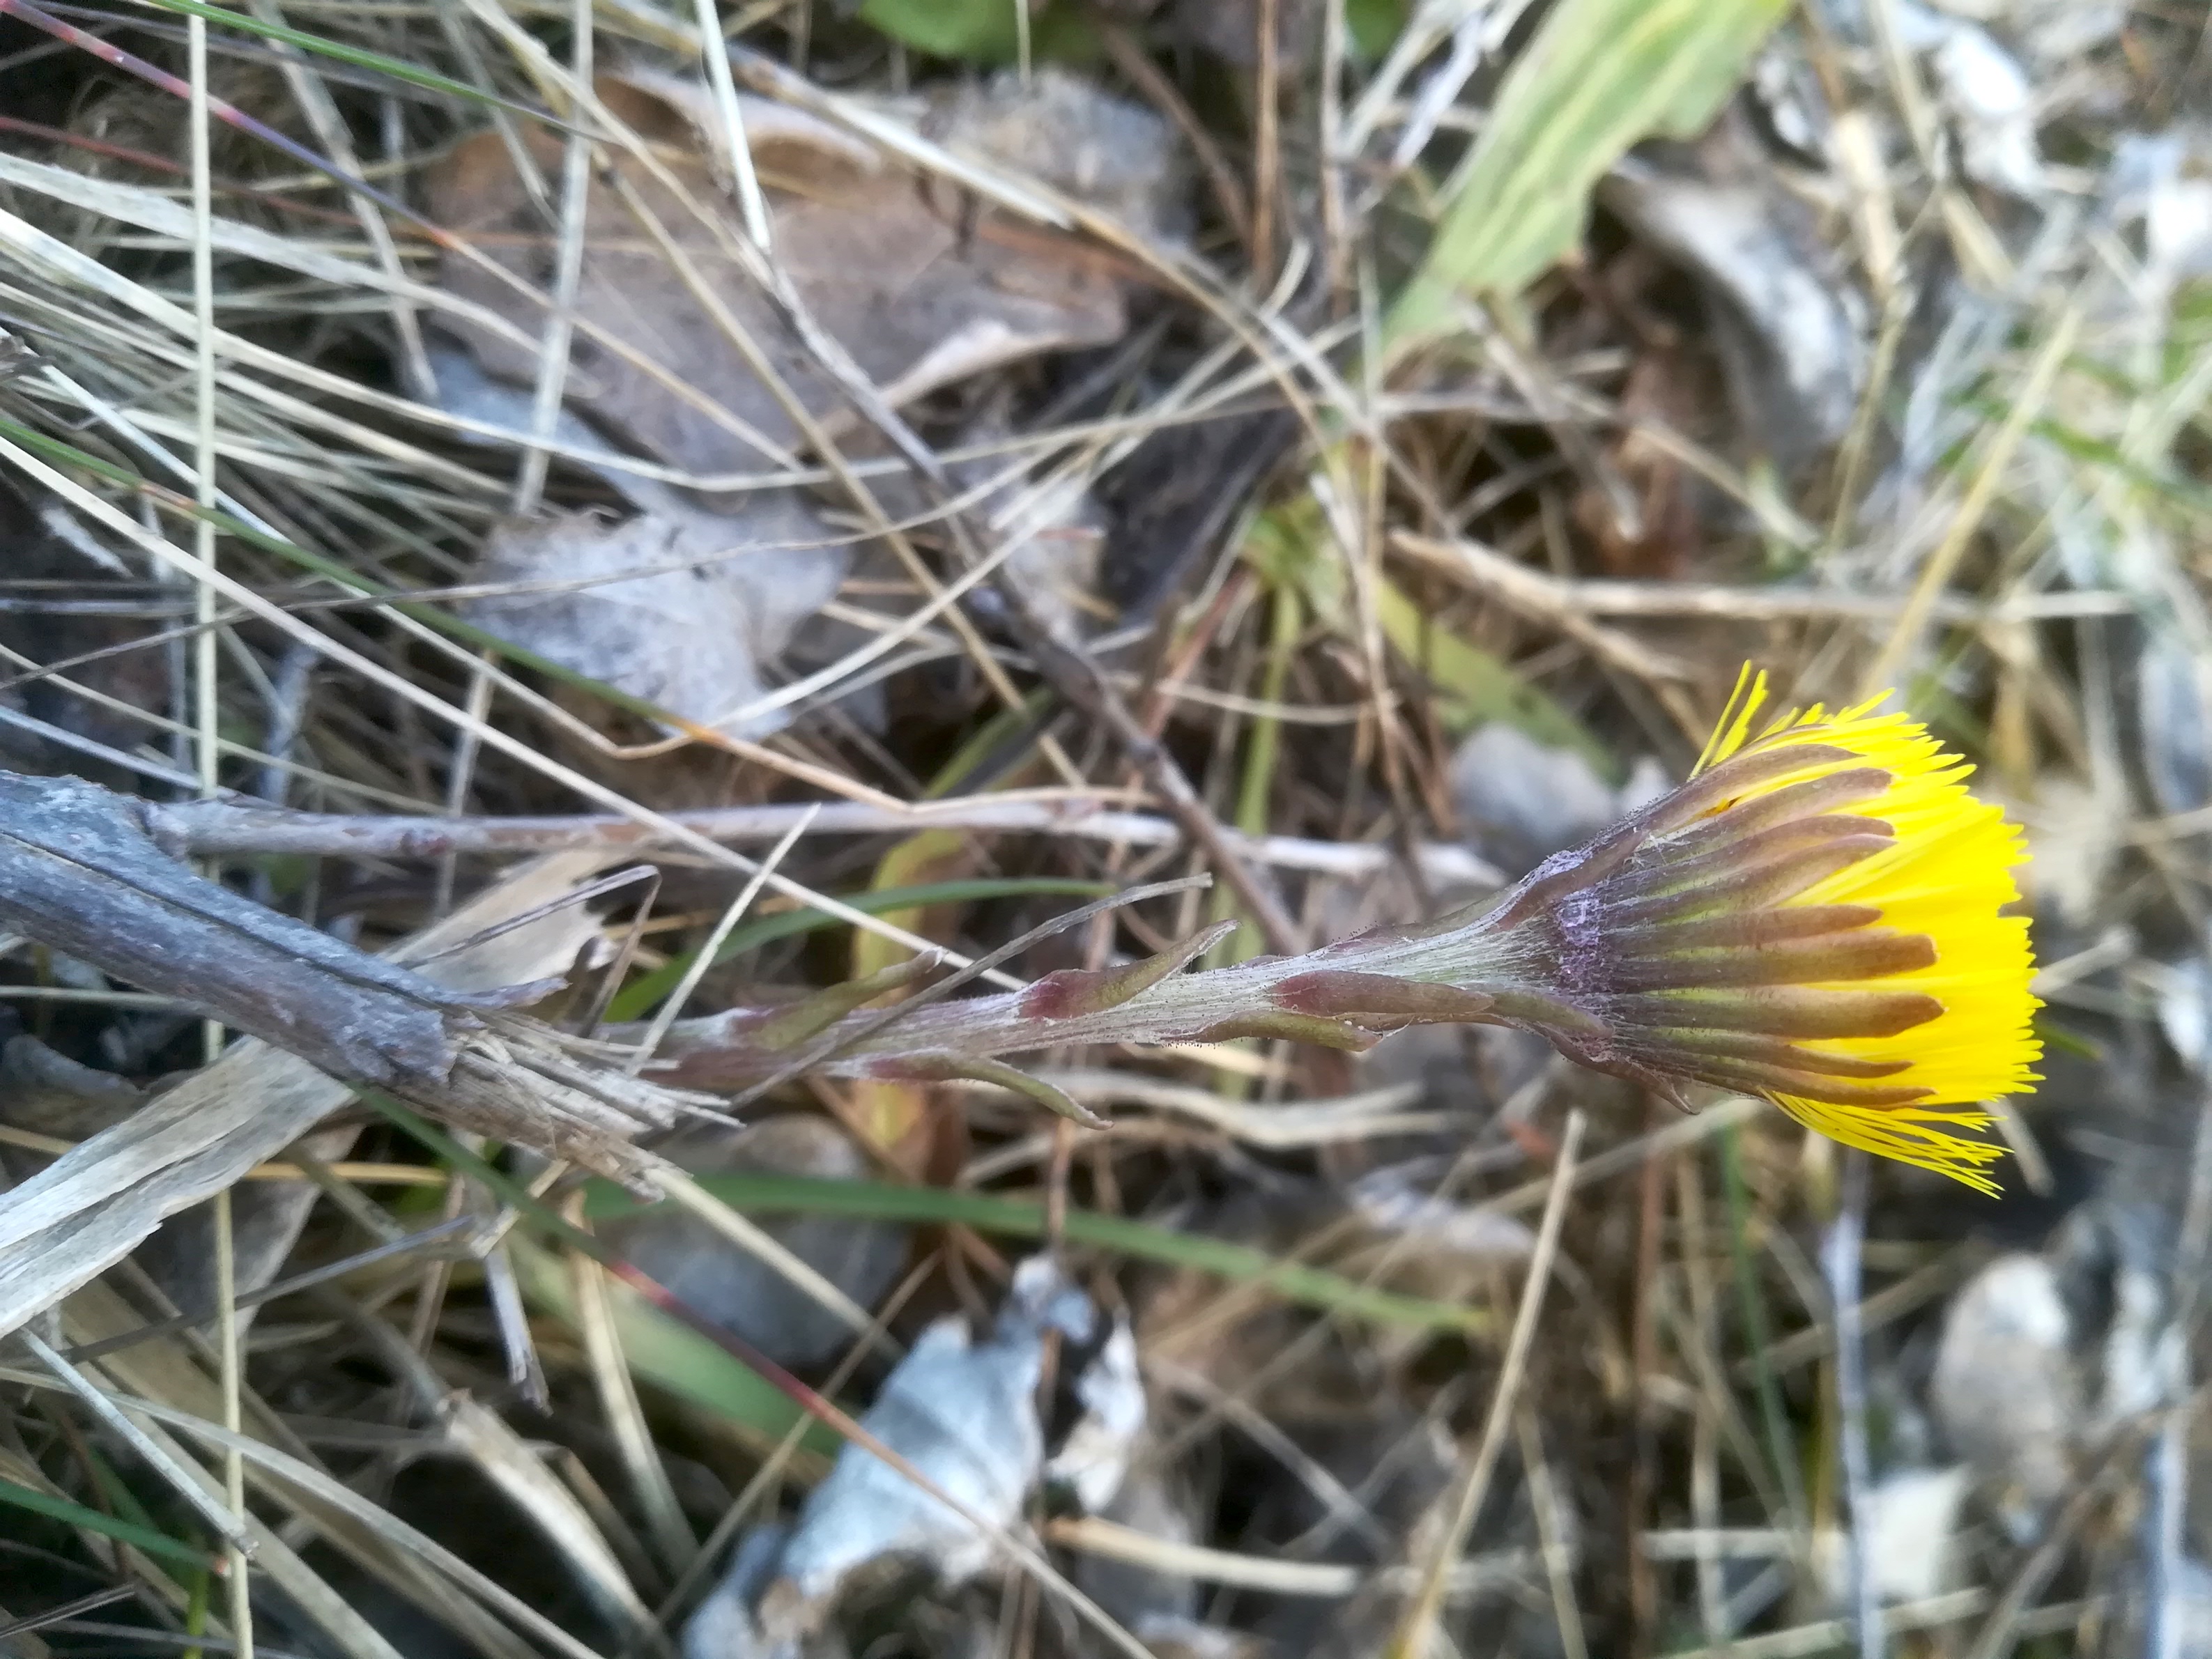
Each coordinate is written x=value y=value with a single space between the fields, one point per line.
x=1600 y=76
x=1316 y=1287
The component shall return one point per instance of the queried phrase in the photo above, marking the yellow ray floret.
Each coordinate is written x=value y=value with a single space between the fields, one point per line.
x=1948 y=877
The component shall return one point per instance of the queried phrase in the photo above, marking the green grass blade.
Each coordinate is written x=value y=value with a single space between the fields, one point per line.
x=1599 y=76
x=397 y=68
x=137 y=1537
x=980 y=31
x=1290 y=544
x=1314 y=1287
x=729 y=1383
x=680 y=1361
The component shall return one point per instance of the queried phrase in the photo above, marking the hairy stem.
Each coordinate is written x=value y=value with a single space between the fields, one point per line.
x=1343 y=995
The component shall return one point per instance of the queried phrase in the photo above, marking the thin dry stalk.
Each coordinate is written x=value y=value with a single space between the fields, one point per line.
x=1412 y=1637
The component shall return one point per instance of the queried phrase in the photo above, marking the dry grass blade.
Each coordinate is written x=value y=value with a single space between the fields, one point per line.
x=1413 y=1633
x=216 y=1515
x=494 y=1447
x=227 y=827
x=611 y=1372
x=1943 y=564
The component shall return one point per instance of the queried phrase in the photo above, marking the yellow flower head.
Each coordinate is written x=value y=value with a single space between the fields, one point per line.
x=1945 y=876
x=1815 y=917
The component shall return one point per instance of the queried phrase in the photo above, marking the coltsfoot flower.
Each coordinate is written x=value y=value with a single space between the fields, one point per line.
x=1818 y=917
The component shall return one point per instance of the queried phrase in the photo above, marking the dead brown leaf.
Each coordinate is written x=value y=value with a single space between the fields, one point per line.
x=916 y=285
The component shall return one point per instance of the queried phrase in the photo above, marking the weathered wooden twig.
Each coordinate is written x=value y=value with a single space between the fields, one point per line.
x=79 y=871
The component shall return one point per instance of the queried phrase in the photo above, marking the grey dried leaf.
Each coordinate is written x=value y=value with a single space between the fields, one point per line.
x=1386 y=1201
x=2142 y=1361
x=2057 y=33
x=467 y=393
x=693 y=637
x=2163 y=179
x=1529 y=800
x=1910 y=1533
x=2051 y=33
x=735 y=1288
x=2178 y=228
x=1791 y=327
x=1093 y=1460
x=2074 y=839
x=2116 y=1254
x=1060 y=535
x=1061 y=130
x=2005 y=1389
x=1992 y=104
x=775 y=132
x=2183 y=990
x=2173 y=694
x=1791 y=97
x=723 y=1626
x=715 y=597
x=1142 y=1598
x=964 y=1414
x=2191 y=1590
